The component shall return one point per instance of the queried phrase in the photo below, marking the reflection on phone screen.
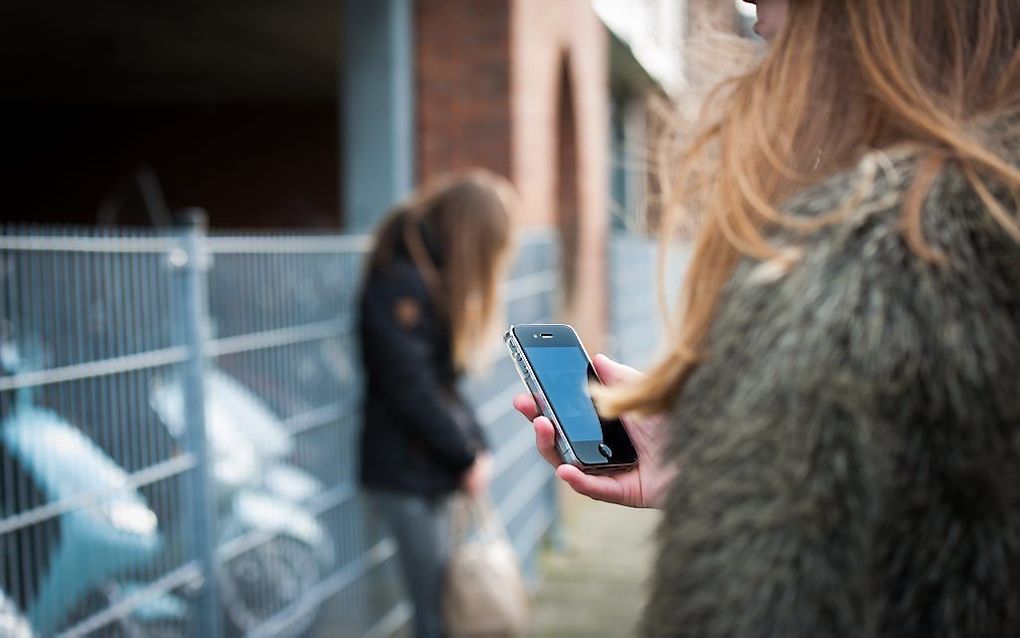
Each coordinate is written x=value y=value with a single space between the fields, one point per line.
x=564 y=373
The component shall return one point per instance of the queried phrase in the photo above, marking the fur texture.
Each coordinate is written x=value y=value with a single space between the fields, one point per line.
x=850 y=448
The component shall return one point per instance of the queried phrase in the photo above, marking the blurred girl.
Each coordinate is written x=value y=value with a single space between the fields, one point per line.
x=427 y=306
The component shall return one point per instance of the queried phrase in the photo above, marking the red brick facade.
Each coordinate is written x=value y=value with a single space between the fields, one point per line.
x=521 y=87
x=462 y=55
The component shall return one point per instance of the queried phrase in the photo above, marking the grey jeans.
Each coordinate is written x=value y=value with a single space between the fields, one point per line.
x=421 y=528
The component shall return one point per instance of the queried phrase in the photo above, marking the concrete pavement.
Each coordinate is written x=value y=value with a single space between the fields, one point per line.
x=595 y=584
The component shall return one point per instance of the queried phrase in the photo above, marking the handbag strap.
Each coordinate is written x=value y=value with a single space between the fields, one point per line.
x=460 y=519
x=478 y=512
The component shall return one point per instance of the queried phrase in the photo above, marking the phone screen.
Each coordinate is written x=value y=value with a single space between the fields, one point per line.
x=565 y=375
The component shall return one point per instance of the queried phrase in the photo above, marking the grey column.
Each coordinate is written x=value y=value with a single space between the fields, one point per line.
x=377 y=109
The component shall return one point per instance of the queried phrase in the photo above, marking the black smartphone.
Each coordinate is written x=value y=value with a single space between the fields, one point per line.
x=558 y=372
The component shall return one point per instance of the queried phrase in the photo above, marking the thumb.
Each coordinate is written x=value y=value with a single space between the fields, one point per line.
x=613 y=373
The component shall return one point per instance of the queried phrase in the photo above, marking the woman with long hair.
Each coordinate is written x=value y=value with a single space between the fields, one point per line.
x=428 y=302
x=840 y=451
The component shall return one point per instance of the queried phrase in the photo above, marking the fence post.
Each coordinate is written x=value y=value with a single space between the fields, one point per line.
x=195 y=270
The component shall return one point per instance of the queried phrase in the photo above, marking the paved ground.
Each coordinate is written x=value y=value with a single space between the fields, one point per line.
x=594 y=585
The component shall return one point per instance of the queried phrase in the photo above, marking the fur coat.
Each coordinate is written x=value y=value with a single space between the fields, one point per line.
x=850 y=446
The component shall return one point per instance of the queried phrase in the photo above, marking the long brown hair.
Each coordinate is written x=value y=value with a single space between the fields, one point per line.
x=457 y=231
x=845 y=77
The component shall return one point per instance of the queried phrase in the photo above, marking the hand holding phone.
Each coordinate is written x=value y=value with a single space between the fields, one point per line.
x=558 y=372
x=643 y=486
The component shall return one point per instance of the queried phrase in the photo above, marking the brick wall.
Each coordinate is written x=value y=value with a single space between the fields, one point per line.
x=490 y=81
x=556 y=43
x=463 y=66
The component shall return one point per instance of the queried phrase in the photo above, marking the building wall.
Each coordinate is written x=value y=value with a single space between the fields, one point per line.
x=463 y=63
x=549 y=37
x=490 y=86
x=652 y=31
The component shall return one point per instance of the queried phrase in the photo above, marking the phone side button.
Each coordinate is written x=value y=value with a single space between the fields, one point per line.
x=561 y=448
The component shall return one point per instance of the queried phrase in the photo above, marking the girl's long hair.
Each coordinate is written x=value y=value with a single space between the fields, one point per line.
x=457 y=231
x=939 y=79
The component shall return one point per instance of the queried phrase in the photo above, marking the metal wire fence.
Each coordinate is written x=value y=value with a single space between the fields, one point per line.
x=635 y=315
x=178 y=422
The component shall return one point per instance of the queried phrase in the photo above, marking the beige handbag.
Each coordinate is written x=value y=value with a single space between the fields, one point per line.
x=485 y=594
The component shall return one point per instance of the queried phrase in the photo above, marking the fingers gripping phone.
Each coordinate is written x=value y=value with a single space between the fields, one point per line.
x=557 y=370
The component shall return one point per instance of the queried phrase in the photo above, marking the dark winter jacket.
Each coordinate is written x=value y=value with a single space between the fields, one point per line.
x=419 y=435
x=850 y=447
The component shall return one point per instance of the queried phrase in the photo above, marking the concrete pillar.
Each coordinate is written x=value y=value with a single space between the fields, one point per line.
x=377 y=109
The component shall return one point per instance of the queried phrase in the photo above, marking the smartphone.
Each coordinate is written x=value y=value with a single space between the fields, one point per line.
x=558 y=372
